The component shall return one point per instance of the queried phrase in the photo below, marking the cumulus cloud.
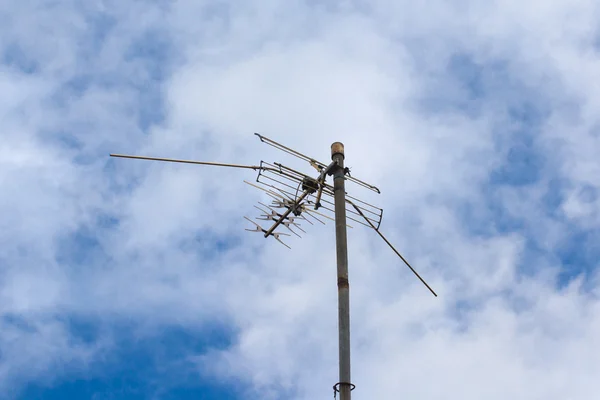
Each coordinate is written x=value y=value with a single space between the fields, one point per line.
x=477 y=121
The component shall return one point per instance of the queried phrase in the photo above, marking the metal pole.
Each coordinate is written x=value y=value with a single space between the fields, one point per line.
x=344 y=384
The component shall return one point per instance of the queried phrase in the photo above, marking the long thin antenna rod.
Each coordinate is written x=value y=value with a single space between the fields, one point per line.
x=395 y=251
x=254 y=167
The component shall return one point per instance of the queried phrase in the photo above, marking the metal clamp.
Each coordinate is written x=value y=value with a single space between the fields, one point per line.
x=336 y=388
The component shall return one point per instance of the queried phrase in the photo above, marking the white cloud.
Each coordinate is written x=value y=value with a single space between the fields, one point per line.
x=307 y=76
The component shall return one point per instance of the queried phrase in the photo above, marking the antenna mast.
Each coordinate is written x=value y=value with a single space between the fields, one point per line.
x=344 y=385
x=282 y=184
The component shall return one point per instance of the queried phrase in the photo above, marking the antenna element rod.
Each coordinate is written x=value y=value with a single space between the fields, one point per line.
x=254 y=167
x=395 y=251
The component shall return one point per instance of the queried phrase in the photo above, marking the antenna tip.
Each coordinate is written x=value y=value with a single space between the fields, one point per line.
x=337 y=148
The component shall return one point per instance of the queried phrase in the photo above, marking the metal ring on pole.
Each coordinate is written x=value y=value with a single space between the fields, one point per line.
x=336 y=387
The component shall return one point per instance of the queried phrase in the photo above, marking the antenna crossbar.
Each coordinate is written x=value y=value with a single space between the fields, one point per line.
x=316 y=164
x=296 y=179
x=328 y=189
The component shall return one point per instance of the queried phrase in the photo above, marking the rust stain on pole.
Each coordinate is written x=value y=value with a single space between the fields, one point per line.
x=343 y=283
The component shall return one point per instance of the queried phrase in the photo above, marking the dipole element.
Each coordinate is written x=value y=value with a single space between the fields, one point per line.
x=343 y=386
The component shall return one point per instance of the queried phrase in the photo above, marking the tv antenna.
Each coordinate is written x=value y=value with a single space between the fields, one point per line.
x=296 y=198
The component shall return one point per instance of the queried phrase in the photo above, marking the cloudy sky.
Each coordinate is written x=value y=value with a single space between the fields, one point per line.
x=127 y=279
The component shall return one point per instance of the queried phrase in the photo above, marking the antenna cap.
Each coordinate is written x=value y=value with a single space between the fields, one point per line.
x=337 y=148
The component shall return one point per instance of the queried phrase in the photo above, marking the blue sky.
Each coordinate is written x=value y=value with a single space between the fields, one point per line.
x=141 y=368
x=127 y=279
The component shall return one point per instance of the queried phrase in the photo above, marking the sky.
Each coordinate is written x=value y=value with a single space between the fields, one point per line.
x=129 y=279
